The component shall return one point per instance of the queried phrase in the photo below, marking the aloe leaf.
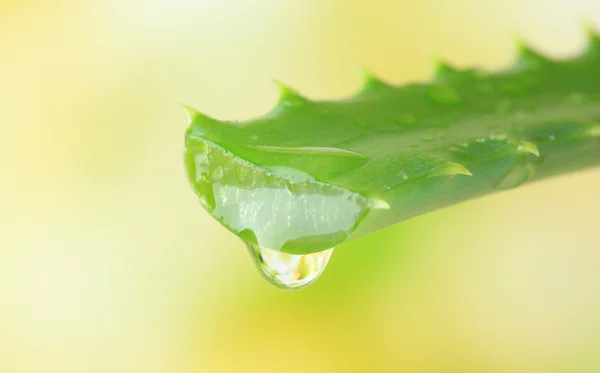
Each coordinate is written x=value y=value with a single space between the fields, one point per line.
x=311 y=174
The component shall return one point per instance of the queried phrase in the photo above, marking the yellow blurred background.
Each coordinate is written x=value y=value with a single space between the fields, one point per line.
x=109 y=264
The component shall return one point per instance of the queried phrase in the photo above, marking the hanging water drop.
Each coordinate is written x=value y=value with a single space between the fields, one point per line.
x=289 y=271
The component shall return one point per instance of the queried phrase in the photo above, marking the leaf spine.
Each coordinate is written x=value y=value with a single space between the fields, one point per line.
x=289 y=96
x=443 y=69
x=593 y=37
x=452 y=168
x=369 y=79
x=527 y=56
x=194 y=116
x=528 y=147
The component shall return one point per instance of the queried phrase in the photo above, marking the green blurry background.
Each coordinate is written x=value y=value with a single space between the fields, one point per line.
x=109 y=264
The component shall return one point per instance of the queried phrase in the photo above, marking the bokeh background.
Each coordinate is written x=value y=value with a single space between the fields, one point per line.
x=109 y=264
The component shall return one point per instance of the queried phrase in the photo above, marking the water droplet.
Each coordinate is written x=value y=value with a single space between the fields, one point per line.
x=289 y=271
x=406 y=120
x=443 y=95
x=253 y=137
x=387 y=187
x=498 y=136
x=519 y=174
x=402 y=175
x=480 y=139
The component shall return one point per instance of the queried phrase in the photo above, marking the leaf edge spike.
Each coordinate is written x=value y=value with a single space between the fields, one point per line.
x=528 y=147
x=195 y=116
x=592 y=35
x=526 y=56
x=369 y=79
x=453 y=169
x=378 y=204
x=442 y=69
x=288 y=95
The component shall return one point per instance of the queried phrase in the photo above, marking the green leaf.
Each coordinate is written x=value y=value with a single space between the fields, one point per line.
x=312 y=174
